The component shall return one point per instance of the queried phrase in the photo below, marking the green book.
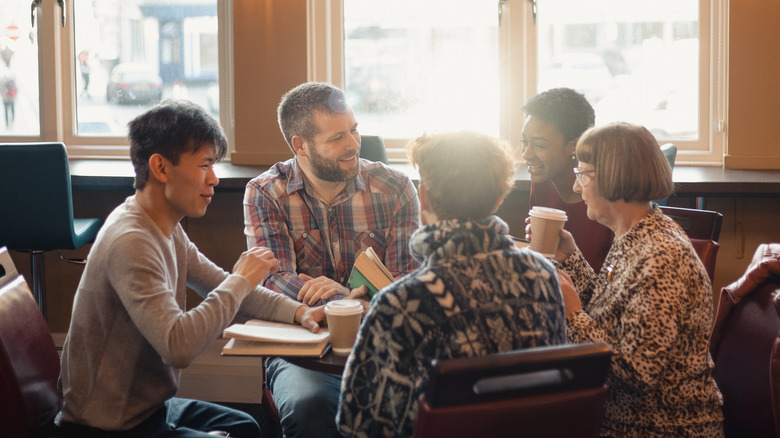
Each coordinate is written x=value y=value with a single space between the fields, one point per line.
x=369 y=270
x=356 y=279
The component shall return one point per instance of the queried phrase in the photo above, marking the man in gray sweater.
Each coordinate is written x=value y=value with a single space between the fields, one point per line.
x=130 y=333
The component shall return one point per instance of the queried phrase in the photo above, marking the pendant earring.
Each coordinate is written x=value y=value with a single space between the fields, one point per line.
x=574 y=157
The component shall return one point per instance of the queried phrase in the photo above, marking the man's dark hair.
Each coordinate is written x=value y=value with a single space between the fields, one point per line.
x=170 y=129
x=299 y=104
x=565 y=108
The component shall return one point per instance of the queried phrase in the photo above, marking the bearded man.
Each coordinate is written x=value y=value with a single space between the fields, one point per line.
x=317 y=212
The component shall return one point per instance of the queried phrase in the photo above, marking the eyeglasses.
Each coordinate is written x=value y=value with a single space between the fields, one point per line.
x=583 y=176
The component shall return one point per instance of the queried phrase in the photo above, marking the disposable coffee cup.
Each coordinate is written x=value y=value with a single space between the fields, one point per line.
x=546 y=226
x=343 y=323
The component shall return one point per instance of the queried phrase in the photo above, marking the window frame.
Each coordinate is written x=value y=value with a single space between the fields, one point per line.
x=518 y=67
x=325 y=60
x=58 y=93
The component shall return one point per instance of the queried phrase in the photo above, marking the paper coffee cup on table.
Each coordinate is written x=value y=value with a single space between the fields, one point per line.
x=343 y=324
x=546 y=226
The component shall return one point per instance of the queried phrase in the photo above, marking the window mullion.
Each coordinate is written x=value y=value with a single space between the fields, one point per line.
x=50 y=72
x=325 y=25
x=517 y=55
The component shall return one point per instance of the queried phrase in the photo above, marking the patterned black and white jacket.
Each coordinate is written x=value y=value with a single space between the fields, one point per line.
x=474 y=294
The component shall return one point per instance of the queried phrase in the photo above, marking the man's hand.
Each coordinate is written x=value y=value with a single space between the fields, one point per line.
x=310 y=317
x=255 y=264
x=361 y=294
x=320 y=288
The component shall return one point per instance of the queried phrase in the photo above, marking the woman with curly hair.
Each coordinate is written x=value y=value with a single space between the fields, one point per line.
x=475 y=293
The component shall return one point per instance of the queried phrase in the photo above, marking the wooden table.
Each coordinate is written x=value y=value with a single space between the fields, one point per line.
x=329 y=363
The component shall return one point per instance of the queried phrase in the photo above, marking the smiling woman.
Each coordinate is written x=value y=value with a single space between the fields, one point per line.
x=555 y=120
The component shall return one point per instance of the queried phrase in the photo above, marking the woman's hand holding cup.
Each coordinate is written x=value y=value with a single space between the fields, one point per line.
x=566 y=244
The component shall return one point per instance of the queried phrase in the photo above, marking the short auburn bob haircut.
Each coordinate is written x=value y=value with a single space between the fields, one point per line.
x=628 y=162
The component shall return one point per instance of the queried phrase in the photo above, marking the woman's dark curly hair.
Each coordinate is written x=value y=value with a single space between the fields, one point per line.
x=565 y=108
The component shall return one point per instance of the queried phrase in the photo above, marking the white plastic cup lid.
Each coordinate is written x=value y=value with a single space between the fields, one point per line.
x=344 y=307
x=548 y=213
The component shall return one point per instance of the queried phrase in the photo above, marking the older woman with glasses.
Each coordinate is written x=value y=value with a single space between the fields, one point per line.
x=652 y=301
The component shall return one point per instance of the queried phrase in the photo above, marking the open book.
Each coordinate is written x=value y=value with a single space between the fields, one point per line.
x=265 y=338
x=370 y=271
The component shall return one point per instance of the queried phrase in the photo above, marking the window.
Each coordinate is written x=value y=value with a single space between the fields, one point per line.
x=645 y=63
x=117 y=58
x=18 y=70
x=414 y=66
x=660 y=64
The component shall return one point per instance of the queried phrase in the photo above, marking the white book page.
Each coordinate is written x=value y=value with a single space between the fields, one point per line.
x=378 y=263
x=275 y=331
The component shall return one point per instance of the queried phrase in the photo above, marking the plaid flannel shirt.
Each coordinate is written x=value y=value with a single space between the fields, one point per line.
x=378 y=208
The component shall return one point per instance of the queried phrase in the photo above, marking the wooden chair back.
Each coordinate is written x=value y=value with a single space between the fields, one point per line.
x=697 y=224
x=523 y=392
x=703 y=230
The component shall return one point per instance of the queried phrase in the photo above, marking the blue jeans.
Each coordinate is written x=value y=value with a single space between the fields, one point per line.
x=307 y=400
x=179 y=418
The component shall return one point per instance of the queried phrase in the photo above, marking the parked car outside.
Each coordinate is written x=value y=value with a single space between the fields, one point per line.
x=131 y=82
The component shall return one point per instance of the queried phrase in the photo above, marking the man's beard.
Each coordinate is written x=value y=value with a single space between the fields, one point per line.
x=330 y=170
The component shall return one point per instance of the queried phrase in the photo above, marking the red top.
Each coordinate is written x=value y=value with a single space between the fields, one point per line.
x=592 y=238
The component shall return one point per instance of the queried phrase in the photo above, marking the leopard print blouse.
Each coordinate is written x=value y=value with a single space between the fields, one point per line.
x=652 y=303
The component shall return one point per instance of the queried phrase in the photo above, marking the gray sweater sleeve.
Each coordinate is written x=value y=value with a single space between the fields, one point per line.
x=264 y=303
x=261 y=303
x=153 y=290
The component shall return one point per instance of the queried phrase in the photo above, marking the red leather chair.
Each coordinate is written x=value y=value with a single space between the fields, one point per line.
x=539 y=392
x=29 y=363
x=745 y=346
x=703 y=230
x=707 y=250
x=698 y=224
